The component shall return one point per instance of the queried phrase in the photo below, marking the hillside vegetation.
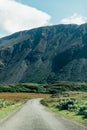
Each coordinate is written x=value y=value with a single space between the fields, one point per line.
x=52 y=88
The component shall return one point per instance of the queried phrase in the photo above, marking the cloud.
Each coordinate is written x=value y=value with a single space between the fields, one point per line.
x=74 y=19
x=15 y=17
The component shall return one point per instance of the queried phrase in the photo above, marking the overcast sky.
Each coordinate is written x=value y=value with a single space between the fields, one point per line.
x=17 y=15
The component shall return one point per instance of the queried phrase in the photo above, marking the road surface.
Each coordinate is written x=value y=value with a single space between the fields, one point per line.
x=34 y=116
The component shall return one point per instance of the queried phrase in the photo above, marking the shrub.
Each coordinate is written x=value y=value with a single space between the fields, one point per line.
x=85 y=113
x=83 y=110
x=80 y=107
x=65 y=104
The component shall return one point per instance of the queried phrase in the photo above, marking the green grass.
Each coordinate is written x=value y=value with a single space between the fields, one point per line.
x=70 y=115
x=8 y=106
x=4 y=112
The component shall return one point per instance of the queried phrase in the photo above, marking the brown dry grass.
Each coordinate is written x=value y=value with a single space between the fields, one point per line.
x=22 y=96
x=75 y=95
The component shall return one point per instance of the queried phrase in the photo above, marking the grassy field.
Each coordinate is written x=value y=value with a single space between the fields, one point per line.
x=72 y=105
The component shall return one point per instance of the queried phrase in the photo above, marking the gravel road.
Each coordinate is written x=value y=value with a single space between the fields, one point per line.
x=34 y=116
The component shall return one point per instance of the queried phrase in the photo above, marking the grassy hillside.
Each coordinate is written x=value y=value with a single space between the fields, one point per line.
x=23 y=87
x=52 y=88
x=60 y=87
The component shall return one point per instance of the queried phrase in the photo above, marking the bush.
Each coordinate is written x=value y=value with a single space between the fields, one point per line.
x=83 y=110
x=80 y=107
x=85 y=113
x=65 y=104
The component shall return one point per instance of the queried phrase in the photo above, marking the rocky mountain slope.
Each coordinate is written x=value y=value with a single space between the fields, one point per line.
x=45 y=54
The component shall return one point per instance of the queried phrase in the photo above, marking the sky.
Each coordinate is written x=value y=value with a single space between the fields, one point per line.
x=19 y=15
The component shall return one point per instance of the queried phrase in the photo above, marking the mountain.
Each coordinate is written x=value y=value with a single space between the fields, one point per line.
x=45 y=54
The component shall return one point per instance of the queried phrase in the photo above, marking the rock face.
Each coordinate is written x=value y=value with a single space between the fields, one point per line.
x=45 y=54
